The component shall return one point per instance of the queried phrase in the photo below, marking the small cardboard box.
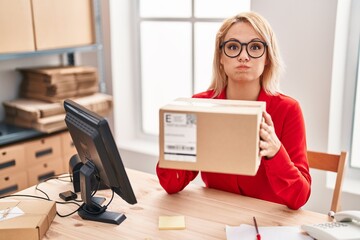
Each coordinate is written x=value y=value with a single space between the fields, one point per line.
x=211 y=135
x=32 y=224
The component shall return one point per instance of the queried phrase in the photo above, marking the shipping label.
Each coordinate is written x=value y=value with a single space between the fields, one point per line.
x=180 y=137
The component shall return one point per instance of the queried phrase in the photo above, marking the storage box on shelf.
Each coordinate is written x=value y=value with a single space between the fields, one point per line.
x=56 y=83
x=49 y=117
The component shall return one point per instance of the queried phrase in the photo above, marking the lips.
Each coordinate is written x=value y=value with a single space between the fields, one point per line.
x=242 y=67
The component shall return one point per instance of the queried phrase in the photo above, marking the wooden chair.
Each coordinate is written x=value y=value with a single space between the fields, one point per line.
x=330 y=162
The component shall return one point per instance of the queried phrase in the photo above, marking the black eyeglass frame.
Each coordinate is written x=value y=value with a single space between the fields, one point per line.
x=243 y=44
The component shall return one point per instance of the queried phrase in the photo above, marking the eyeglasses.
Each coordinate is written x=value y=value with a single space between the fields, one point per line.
x=233 y=48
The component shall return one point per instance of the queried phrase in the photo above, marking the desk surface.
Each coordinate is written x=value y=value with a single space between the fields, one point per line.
x=206 y=212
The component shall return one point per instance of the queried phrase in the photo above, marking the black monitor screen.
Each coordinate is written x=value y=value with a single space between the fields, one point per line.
x=101 y=160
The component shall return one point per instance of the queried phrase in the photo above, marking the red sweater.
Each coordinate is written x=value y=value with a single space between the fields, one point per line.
x=283 y=179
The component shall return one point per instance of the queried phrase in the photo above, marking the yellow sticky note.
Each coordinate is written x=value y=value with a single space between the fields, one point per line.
x=171 y=222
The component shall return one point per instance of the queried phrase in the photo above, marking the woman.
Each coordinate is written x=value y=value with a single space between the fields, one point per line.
x=247 y=66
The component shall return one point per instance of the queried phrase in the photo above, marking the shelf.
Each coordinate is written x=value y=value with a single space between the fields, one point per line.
x=12 y=134
x=8 y=56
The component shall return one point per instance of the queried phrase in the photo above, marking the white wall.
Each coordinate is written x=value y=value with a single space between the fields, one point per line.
x=305 y=31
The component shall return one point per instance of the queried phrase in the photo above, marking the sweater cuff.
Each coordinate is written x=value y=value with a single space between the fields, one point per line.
x=280 y=162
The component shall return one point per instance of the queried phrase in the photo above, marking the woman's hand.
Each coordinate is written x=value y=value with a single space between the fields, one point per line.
x=269 y=142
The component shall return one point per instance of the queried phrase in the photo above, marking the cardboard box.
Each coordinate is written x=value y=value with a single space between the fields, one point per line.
x=49 y=117
x=32 y=109
x=16 y=26
x=32 y=224
x=211 y=135
x=47 y=125
x=60 y=97
x=53 y=84
x=60 y=74
x=63 y=23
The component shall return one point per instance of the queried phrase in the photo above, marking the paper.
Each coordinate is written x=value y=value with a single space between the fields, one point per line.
x=248 y=232
x=171 y=222
x=9 y=213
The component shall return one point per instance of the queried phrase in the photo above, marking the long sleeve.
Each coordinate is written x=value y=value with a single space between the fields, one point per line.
x=173 y=180
x=288 y=171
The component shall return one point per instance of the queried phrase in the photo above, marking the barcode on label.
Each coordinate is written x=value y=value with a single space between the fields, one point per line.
x=180 y=147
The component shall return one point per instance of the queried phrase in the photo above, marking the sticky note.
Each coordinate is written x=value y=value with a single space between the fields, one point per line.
x=171 y=222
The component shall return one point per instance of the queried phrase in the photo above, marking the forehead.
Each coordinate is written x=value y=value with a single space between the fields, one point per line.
x=242 y=31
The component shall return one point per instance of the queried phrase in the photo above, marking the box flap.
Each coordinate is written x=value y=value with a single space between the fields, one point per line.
x=36 y=220
x=215 y=105
x=32 y=109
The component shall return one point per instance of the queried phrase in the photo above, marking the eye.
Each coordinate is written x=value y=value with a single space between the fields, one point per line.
x=232 y=46
x=255 y=46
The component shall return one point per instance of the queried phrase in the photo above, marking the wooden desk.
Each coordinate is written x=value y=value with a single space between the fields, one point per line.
x=206 y=212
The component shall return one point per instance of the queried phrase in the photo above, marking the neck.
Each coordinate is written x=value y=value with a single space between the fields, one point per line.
x=243 y=91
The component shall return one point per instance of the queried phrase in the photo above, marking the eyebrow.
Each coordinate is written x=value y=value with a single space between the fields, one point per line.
x=258 y=39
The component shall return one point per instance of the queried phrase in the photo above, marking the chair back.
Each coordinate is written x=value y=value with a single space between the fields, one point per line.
x=333 y=163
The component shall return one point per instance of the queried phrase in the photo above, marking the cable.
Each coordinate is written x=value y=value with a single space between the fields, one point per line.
x=101 y=208
x=76 y=202
x=47 y=198
x=42 y=198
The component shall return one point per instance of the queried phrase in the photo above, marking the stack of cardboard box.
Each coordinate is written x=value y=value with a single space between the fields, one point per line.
x=49 y=117
x=43 y=91
x=53 y=84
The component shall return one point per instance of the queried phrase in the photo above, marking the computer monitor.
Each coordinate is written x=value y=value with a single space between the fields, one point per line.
x=101 y=160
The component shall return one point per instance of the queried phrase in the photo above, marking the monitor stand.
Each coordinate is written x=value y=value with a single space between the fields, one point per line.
x=92 y=209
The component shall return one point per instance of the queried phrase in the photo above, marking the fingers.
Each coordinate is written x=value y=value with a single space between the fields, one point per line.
x=264 y=152
x=267 y=119
x=265 y=130
x=269 y=143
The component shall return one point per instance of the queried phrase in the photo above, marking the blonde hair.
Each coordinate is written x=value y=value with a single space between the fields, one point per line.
x=270 y=77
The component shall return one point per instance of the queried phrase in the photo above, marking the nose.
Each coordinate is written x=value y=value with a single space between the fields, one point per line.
x=243 y=56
